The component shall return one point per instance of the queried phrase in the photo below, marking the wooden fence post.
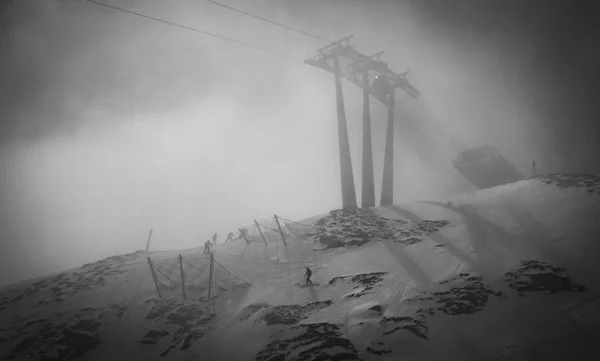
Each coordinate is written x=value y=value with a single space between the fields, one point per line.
x=261 y=234
x=148 y=242
x=210 y=276
x=534 y=168
x=182 y=275
x=154 y=277
x=280 y=231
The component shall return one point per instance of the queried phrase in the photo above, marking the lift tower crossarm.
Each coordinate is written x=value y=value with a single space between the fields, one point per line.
x=349 y=59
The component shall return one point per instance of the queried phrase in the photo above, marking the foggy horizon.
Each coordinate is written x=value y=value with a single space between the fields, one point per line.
x=114 y=124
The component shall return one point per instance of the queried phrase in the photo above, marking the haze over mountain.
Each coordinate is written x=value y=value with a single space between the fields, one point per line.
x=113 y=124
x=507 y=273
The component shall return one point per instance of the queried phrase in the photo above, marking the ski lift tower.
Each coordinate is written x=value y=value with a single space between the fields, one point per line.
x=376 y=79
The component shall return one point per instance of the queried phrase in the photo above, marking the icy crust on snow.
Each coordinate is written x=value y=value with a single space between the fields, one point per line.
x=537 y=276
x=589 y=182
x=66 y=336
x=346 y=228
x=184 y=322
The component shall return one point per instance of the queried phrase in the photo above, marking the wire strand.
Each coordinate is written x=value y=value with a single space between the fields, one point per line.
x=239 y=42
x=267 y=20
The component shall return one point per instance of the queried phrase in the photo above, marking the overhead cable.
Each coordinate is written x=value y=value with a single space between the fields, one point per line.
x=267 y=20
x=239 y=42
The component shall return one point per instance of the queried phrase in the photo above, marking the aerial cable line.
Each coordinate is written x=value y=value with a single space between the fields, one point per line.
x=239 y=42
x=267 y=20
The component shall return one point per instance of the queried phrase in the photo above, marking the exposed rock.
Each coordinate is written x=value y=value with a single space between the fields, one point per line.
x=378 y=352
x=9 y=298
x=467 y=294
x=387 y=332
x=376 y=308
x=291 y=314
x=589 y=182
x=536 y=276
x=191 y=321
x=152 y=336
x=57 y=342
x=309 y=342
x=417 y=325
x=345 y=228
x=68 y=284
x=412 y=233
x=365 y=282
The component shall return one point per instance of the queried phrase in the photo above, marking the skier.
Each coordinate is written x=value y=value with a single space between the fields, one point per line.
x=307 y=275
x=207 y=247
x=214 y=239
x=229 y=237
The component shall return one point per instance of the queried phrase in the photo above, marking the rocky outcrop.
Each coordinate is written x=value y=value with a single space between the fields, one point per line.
x=185 y=323
x=286 y=314
x=416 y=325
x=346 y=228
x=54 y=339
x=465 y=294
x=87 y=278
x=309 y=342
x=363 y=283
x=589 y=182
x=540 y=277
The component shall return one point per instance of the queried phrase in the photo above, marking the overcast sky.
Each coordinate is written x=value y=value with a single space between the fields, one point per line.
x=113 y=124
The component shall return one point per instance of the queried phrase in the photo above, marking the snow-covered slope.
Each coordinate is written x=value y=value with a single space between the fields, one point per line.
x=508 y=273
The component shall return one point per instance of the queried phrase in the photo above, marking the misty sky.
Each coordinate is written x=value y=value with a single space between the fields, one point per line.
x=113 y=124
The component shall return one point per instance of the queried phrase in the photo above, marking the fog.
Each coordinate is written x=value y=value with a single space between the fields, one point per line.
x=113 y=124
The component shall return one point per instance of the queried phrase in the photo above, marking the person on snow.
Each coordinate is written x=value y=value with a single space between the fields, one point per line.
x=214 y=239
x=207 y=247
x=308 y=274
x=229 y=237
x=244 y=234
